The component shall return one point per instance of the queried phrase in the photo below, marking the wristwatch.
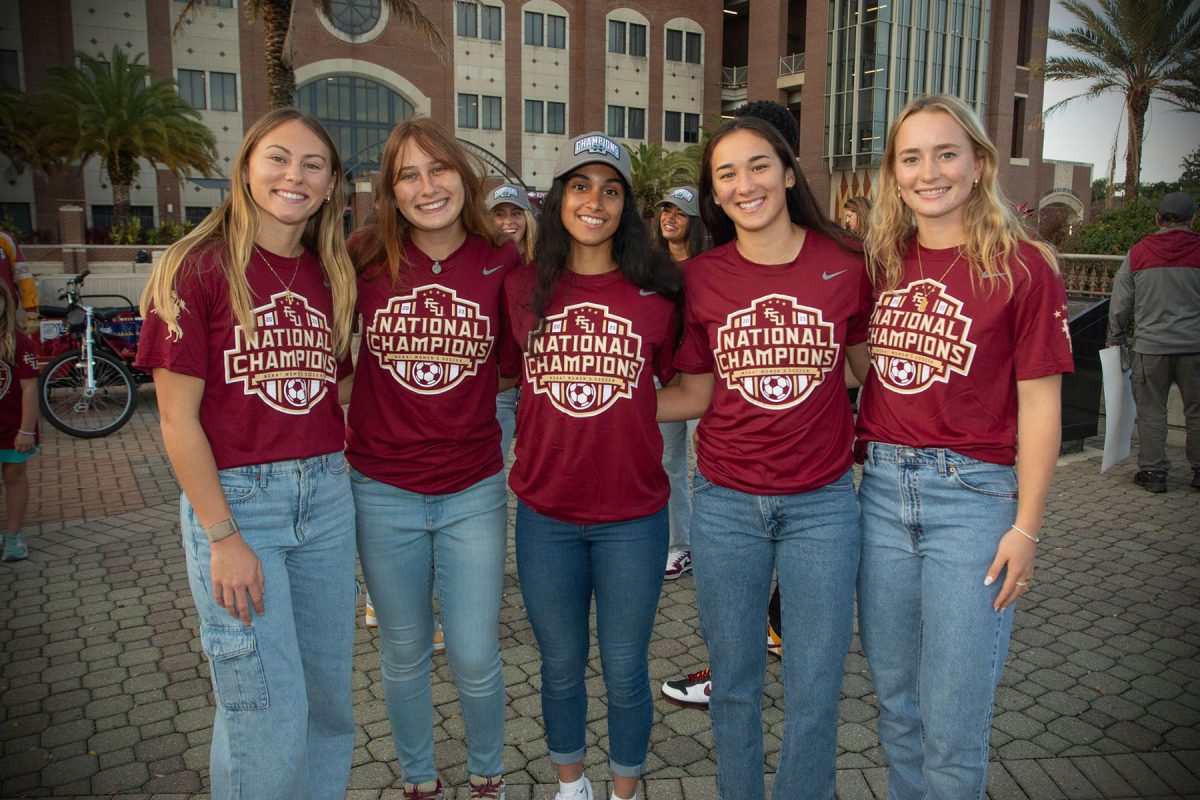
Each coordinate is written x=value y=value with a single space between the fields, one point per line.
x=222 y=530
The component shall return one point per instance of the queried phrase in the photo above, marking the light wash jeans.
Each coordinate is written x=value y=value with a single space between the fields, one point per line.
x=677 y=438
x=406 y=542
x=932 y=520
x=812 y=541
x=284 y=725
x=506 y=415
x=560 y=565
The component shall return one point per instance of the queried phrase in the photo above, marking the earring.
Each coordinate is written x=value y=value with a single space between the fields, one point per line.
x=897 y=191
x=975 y=185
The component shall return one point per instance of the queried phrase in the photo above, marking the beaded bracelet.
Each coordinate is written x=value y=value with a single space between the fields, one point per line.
x=1033 y=539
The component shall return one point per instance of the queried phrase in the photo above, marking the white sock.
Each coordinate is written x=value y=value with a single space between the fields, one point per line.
x=613 y=796
x=572 y=788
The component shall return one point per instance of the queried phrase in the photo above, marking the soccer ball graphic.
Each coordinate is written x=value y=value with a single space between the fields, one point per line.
x=775 y=388
x=902 y=372
x=426 y=373
x=295 y=391
x=581 y=396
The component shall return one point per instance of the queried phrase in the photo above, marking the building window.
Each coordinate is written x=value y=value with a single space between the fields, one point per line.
x=534 y=28
x=672 y=126
x=674 y=45
x=10 y=72
x=466 y=20
x=358 y=113
x=1018 y=128
x=196 y=214
x=468 y=111
x=102 y=217
x=616 y=36
x=17 y=215
x=224 y=91
x=616 y=121
x=692 y=48
x=691 y=128
x=637 y=123
x=191 y=87
x=351 y=17
x=489 y=22
x=556 y=31
x=637 y=40
x=556 y=117
x=493 y=118
x=533 y=116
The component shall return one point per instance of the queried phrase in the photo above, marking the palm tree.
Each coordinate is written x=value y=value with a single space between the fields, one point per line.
x=115 y=109
x=18 y=134
x=276 y=19
x=1143 y=49
x=655 y=170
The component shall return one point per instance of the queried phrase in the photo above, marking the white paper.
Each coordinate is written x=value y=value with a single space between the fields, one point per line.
x=1119 y=411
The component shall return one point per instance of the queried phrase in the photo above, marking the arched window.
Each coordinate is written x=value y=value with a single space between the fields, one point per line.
x=359 y=114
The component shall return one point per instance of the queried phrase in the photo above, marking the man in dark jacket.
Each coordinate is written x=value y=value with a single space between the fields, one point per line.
x=1159 y=285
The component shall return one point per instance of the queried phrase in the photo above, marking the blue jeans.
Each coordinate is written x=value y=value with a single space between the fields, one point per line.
x=677 y=437
x=932 y=520
x=406 y=542
x=506 y=415
x=812 y=540
x=560 y=564
x=284 y=724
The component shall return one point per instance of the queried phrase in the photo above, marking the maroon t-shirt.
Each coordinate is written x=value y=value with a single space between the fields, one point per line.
x=269 y=400
x=946 y=356
x=423 y=409
x=23 y=366
x=775 y=336
x=588 y=450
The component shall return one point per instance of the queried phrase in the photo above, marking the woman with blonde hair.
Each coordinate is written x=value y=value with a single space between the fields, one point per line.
x=958 y=427
x=424 y=445
x=857 y=215
x=247 y=331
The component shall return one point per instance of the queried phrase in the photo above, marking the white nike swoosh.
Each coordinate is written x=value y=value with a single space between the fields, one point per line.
x=645 y=293
x=826 y=276
x=490 y=270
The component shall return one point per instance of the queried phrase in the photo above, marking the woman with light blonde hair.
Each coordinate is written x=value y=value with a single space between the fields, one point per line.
x=856 y=212
x=968 y=343
x=247 y=330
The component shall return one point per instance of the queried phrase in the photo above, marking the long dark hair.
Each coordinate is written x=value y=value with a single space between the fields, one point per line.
x=802 y=205
x=694 y=243
x=642 y=264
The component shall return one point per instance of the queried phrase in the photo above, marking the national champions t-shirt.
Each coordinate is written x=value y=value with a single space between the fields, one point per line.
x=266 y=399
x=946 y=355
x=588 y=449
x=423 y=410
x=775 y=336
x=23 y=366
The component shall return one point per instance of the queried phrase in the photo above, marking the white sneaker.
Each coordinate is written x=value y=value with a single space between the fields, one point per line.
x=678 y=562
x=439 y=638
x=584 y=792
x=692 y=691
x=369 y=615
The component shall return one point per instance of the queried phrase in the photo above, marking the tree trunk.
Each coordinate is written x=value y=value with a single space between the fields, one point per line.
x=122 y=169
x=281 y=77
x=1139 y=103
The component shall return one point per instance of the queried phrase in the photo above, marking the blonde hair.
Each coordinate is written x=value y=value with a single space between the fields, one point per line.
x=386 y=237
x=529 y=240
x=8 y=325
x=993 y=232
x=230 y=231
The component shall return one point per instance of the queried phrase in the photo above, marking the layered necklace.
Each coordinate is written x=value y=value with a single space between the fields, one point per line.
x=288 y=297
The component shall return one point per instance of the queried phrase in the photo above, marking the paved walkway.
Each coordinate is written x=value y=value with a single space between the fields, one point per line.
x=104 y=689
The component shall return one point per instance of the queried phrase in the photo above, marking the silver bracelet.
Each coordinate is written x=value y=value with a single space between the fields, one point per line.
x=27 y=433
x=1033 y=539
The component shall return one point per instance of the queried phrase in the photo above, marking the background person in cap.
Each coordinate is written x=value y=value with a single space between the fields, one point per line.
x=513 y=217
x=594 y=322
x=680 y=230
x=1158 y=284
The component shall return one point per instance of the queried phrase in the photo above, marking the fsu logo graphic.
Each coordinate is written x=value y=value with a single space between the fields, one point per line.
x=5 y=379
x=584 y=360
x=431 y=340
x=776 y=352
x=919 y=336
x=290 y=365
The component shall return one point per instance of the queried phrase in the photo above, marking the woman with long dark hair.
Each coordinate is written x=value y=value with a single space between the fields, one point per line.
x=773 y=313
x=959 y=427
x=424 y=444
x=595 y=322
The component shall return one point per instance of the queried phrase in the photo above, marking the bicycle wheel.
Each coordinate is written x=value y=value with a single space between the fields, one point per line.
x=65 y=401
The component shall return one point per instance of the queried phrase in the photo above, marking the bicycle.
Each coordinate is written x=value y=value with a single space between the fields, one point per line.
x=88 y=387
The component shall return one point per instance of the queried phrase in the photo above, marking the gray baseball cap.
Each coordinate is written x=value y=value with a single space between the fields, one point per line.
x=509 y=193
x=685 y=198
x=594 y=148
x=1179 y=205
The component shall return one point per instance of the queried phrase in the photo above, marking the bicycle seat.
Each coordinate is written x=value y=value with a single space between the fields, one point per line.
x=106 y=314
x=52 y=311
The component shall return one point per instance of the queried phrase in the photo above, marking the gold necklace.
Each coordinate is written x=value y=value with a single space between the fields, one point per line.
x=941 y=280
x=288 y=297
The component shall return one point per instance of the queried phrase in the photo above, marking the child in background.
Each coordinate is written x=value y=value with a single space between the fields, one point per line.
x=18 y=422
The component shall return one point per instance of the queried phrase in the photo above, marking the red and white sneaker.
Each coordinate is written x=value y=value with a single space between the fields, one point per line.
x=690 y=692
x=429 y=790
x=482 y=788
x=678 y=562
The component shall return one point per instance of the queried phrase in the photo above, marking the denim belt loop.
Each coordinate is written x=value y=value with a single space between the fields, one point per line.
x=943 y=470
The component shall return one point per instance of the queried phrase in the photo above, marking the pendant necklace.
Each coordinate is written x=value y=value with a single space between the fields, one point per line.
x=437 y=267
x=941 y=280
x=288 y=297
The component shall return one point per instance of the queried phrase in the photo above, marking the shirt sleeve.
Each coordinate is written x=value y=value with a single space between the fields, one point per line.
x=1120 y=305
x=26 y=358
x=694 y=354
x=187 y=354
x=1041 y=333
x=664 y=358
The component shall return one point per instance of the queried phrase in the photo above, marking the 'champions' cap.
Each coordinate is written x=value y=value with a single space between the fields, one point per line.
x=508 y=193
x=593 y=148
x=1179 y=205
x=685 y=198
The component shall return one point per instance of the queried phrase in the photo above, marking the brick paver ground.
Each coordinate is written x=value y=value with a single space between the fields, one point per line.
x=104 y=690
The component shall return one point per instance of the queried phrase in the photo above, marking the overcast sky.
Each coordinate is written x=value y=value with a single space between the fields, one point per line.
x=1084 y=130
